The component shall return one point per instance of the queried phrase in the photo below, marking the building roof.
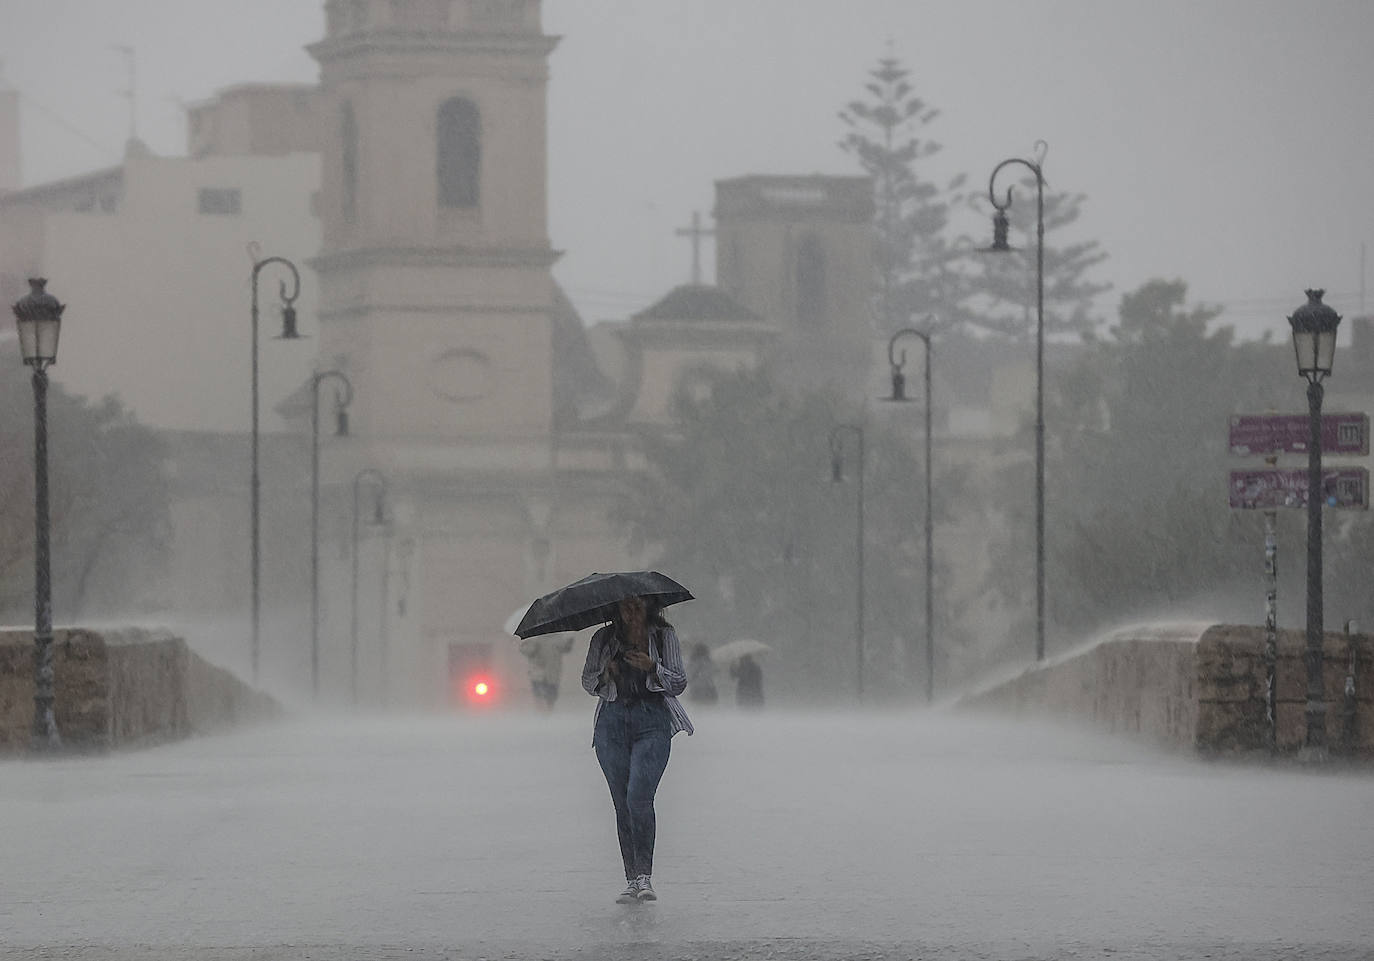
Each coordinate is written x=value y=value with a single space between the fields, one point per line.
x=697 y=302
x=581 y=390
x=64 y=194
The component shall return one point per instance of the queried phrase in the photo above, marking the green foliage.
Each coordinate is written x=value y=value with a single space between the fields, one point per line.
x=108 y=502
x=1137 y=521
x=739 y=503
x=915 y=262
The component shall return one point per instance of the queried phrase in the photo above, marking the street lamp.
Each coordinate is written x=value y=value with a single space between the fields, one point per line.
x=1000 y=245
x=384 y=641
x=378 y=519
x=342 y=399
x=897 y=362
x=1314 y=344
x=39 y=318
x=837 y=476
x=288 y=332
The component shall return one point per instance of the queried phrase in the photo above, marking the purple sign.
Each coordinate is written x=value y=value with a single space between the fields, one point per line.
x=1288 y=434
x=1274 y=488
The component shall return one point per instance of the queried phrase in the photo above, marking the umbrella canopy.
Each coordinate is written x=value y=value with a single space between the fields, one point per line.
x=733 y=651
x=593 y=599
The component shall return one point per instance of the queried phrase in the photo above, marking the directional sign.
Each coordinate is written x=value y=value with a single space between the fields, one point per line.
x=1346 y=487
x=1288 y=434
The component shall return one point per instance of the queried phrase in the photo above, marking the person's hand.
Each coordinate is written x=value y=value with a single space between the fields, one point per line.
x=639 y=660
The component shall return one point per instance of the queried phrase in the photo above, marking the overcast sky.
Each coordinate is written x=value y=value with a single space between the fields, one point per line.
x=1228 y=143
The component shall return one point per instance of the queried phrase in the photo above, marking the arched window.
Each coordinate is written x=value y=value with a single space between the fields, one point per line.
x=459 y=153
x=810 y=283
x=348 y=133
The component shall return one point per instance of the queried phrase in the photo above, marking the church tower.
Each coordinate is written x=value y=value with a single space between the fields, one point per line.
x=435 y=277
x=437 y=303
x=798 y=251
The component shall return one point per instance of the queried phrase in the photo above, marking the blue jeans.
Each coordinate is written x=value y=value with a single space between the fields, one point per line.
x=632 y=742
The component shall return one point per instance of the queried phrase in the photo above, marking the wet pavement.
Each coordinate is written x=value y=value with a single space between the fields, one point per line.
x=781 y=835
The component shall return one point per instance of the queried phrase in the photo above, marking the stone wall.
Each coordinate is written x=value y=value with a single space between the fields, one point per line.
x=1231 y=691
x=118 y=688
x=1140 y=682
x=1196 y=686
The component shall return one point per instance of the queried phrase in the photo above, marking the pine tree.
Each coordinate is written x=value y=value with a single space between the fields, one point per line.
x=915 y=261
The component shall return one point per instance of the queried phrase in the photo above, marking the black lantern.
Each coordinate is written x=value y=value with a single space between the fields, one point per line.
x=898 y=384
x=288 y=323
x=1314 y=336
x=1000 y=228
x=39 y=318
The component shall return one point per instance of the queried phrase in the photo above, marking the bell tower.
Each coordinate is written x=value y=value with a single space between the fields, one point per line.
x=437 y=302
x=434 y=271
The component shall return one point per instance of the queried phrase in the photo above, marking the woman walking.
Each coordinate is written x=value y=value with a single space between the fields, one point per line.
x=634 y=668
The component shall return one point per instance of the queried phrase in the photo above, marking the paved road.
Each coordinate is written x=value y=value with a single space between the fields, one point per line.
x=781 y=835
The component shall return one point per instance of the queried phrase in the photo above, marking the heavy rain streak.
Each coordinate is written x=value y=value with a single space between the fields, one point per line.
x=685 y=479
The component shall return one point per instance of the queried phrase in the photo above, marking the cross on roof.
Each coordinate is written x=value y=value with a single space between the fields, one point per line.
x=696 y=232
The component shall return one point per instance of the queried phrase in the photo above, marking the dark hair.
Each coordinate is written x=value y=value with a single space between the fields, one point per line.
x=653 y=615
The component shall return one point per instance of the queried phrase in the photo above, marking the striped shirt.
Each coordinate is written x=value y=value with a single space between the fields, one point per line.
x=667 y=677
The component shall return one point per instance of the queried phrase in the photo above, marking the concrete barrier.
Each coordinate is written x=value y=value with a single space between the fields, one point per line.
x=121 y=688
x=1196 y=686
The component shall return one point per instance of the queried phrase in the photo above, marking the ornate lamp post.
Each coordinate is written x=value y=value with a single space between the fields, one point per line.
x=1000 y=245
x=897 y=362
x=378 y=519
x=39 y=318
x=288 y=332
x=341 y=401
x=837 y=476
x=1314 y=343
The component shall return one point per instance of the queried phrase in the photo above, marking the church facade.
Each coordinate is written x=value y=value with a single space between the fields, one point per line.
x=438 y=303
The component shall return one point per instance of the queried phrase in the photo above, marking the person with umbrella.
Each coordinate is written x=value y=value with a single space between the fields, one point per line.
x=740 y=656
x=544 y=665
x=701 y=672
x=634 y=669
x=748 y=682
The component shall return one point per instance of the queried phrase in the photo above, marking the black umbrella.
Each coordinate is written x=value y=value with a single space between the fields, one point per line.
x=592 y=601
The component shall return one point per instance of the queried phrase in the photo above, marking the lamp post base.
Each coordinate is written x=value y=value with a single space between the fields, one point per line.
x=44 y=737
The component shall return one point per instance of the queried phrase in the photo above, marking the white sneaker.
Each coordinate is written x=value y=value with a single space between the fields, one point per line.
x=646 y=890
x=630 y=895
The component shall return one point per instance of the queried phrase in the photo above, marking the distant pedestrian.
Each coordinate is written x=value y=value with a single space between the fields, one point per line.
x=748 y=682
x=701 y=674
x=634 y=667
x=544 y=665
